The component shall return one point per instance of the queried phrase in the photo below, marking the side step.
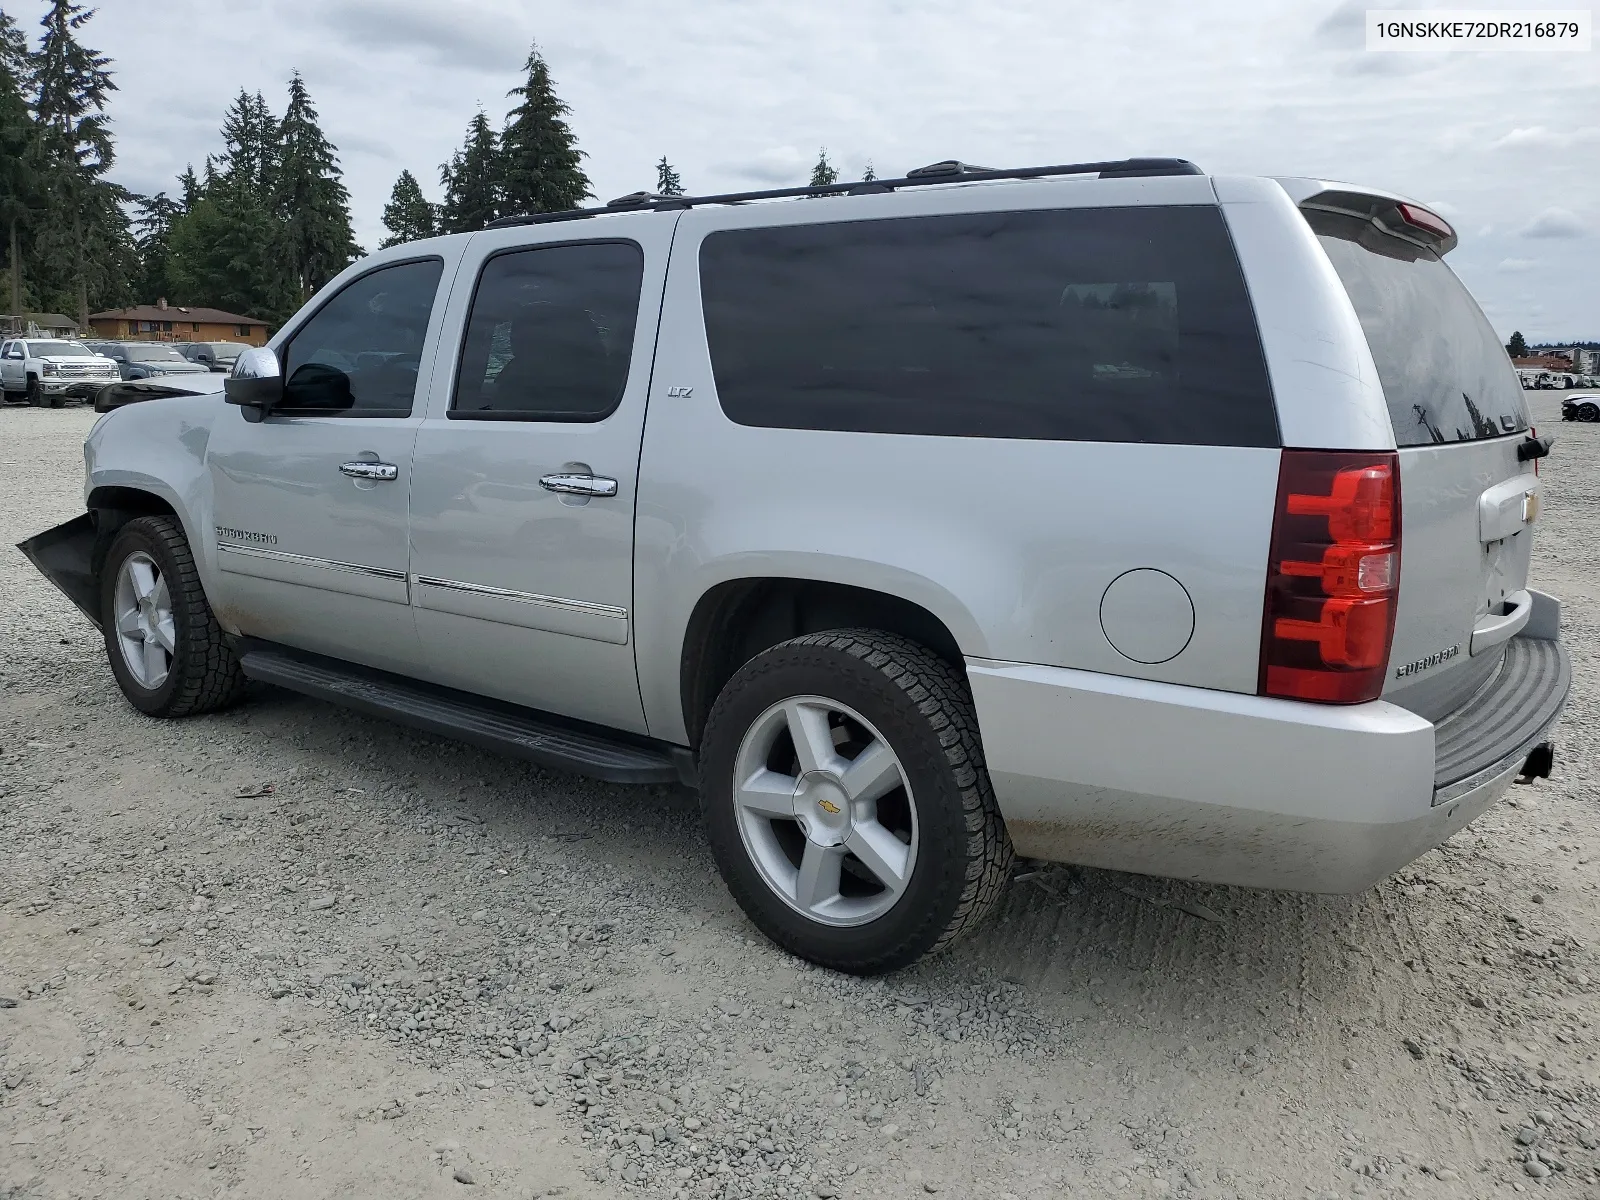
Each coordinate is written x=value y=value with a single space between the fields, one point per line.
x=486 y=723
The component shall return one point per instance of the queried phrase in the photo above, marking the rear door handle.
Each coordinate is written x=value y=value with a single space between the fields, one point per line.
x=579 y=485
x=365 y=469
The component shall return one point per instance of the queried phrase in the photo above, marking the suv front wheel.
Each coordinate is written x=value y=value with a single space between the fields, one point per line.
x=846 y=800
x=168 y=653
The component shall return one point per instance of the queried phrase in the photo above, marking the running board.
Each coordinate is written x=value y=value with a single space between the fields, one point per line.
x=493 y=726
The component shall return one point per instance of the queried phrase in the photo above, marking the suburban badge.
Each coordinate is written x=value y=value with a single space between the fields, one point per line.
x=1422 y=664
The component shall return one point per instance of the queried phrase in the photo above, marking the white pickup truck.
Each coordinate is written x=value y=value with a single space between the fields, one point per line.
x=44 y=371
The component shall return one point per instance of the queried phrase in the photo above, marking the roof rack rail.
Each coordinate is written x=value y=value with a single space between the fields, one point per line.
x=948 y=171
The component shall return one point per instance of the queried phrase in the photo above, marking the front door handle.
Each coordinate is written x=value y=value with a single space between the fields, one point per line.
x=365 y=469
x=579 y=485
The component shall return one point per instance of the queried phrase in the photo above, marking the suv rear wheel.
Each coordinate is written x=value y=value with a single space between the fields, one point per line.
x=847 y=803
x=167 y=651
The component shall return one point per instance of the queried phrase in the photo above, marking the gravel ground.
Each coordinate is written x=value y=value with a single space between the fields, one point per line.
x=291 y=951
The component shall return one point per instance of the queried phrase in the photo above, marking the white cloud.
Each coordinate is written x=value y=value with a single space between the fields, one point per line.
x=1554 y=223
x=741 y=93
x=780 y=166
x=1537 y=137
x=1516 y=266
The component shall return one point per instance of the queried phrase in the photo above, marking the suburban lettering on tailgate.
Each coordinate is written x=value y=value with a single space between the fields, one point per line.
x=1433 y=660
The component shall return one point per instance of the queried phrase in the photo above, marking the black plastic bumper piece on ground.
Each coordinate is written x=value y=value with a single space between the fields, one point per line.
x=1509 y=717
x=522 y=733
x=65 y=556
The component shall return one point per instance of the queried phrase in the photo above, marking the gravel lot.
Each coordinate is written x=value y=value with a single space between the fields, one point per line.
x=290 y=951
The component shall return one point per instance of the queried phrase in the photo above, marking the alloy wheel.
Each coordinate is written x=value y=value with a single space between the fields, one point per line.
x=825 y=811
x=146 y=632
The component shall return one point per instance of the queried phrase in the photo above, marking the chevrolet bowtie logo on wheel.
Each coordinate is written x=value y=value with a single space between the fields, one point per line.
x=829 y=807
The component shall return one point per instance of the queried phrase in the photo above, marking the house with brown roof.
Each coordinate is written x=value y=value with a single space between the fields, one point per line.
x=161 y=322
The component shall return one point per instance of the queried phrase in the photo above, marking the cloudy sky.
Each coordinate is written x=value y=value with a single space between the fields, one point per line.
x=743 y=93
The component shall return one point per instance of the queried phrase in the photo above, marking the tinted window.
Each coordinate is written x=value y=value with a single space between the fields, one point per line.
x=1445 y=375
x=551 y=334
x=1121 y=325
x=361 y=350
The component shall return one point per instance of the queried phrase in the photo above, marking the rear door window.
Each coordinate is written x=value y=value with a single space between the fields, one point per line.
x=1445 y=374
x=1114 y=325
x=550 y=337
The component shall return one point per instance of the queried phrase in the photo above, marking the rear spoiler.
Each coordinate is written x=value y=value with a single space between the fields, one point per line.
x=1395 y=215
x=65 y=556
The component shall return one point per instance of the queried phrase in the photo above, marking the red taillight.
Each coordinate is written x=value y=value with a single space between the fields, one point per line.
x=1415 y=214
x=1333 y=578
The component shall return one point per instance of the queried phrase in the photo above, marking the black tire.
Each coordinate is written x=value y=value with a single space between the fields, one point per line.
x=59 y=400
x=921 y=707
x=1589 y=412
x=35 y=392
x=204 y=673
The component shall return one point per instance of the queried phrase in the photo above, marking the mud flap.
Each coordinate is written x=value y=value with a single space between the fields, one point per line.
x=65 y=556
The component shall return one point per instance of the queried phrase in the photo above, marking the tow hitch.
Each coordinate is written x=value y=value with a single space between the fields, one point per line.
x=1540 y=759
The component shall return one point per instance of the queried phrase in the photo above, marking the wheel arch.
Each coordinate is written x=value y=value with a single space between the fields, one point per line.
x=113 y=505
x=737 y=619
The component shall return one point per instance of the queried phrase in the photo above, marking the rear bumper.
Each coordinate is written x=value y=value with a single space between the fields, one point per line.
x=1178 y=781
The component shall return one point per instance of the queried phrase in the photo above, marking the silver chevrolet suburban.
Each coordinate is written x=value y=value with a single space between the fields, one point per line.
x=1110 y=513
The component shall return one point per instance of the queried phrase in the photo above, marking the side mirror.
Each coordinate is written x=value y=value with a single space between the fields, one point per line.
x=256 y=384
x=318 y=387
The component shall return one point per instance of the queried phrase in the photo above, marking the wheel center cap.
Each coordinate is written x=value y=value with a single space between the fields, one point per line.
x=823 y=810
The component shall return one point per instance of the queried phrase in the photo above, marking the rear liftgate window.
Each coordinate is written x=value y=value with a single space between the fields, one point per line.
x=1445 y=375
x=1112 y=325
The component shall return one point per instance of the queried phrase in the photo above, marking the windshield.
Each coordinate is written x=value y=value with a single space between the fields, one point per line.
x=154 y=354
x=59 y=350
x=225 y=349
x=1445 y=375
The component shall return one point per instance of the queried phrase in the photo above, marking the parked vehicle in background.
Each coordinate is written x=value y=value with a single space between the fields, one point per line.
x=919 y=530
x=146 y=360
x=1582 y=407
x=50 y=371
x=214 y=356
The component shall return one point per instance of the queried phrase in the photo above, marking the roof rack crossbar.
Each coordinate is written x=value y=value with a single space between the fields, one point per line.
x=949 y=171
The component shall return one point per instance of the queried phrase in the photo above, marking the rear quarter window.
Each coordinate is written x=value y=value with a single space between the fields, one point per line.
x=1114 y=325
x=1445 y=375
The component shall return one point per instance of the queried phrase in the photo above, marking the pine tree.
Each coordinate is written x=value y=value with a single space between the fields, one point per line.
x=19 y=162
x=230 y=257
x=668 y=182
x=824 y=173
x=408 y=216
x=189 y=188
x=153 y=239
x=1517 y=347
x=474 y=188
x=309 y=197
x=250 y=146
x=72 y=86
x=542 y=167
